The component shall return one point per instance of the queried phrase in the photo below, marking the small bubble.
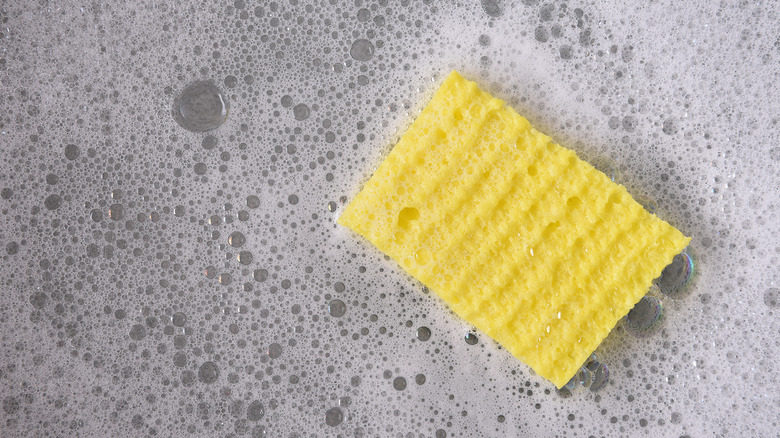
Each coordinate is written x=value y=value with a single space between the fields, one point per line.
x=770 y=297
x=72 y=152
x=334 y=417
x=116 y=212
x=231 y=81
x=179 y=319
x=471 y=338
x=541 y=34
x=208 y=372
x=423 y=333
x=12 y=248
x=362 y=50
x=52 y=202
x=225 y=279
x=274 y=350
x=301 y=111
x=252 y=201
x=200 y=107
x=337 y=308
x=255 y=411
x=645 y=318
x=236 y=239
x=209 y=142
x=566 y=52
x=676 y=276
x=419 y=379
x=245 y=257
x=38 y=300
x=260 y=275
x=600 y=377
x=399 y=383
x=137 y=332
x=492 y=7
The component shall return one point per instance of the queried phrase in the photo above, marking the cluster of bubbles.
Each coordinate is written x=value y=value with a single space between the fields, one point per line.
x=171 y=264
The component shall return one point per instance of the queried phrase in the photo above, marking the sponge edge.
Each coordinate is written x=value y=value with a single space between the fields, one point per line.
x=522 y=239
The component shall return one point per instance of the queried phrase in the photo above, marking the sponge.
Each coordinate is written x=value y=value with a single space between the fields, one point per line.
x=521 y=238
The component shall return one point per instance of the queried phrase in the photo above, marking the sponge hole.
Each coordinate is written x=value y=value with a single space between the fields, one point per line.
x=574 y=202
x=422 y=256
x=616 y=198
x=439 y=134
x=407 y=216
x=458 y=114
x=532 y=170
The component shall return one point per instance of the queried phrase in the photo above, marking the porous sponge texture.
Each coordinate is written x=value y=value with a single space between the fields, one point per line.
x=522 y=239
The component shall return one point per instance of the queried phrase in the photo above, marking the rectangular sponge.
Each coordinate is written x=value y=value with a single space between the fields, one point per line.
x=522 y=239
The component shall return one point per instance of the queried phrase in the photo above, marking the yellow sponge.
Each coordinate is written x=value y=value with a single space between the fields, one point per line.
x=521 y=238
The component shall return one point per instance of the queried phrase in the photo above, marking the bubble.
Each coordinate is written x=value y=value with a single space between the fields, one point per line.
x=770 y=297
x=52 y=202
x=566 y=52
x=471 y=338
x=236 y=239
x=584 y=377
x=491 y=7
x=199 y=168
x=225 y=279
x=669 y=126
x=423 y=333
x=6 y=193
x=12 y=248
x=292 y=199
x=255 y=411
x=245 y=257
x=339 y=287
x=231 y=81
x=399 y=383
x=600 y=377
x=38 y=300
x=334 y=416
x=180 y=359
x=274 y=350
x=209 y=142
x=676 y=276
x=179 y=319
x=337 y=308
x=252 y=201
x=137 y=332
x=260 y=275
x=441 y=433
x=52 y=179
x=483 y=40
x=200 y=107
x=362 y=50
x=419 y=379
x=645 y=318
x=541 y=34
x=208 y=372
x=286 y=101
x=96 y=215
x=72 y=152
x=301 y=111
x=116 y=212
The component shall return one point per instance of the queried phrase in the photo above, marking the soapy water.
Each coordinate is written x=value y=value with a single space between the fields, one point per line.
x=172 y=175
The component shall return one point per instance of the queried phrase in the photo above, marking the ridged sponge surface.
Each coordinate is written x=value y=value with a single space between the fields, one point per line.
x=522 y=239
